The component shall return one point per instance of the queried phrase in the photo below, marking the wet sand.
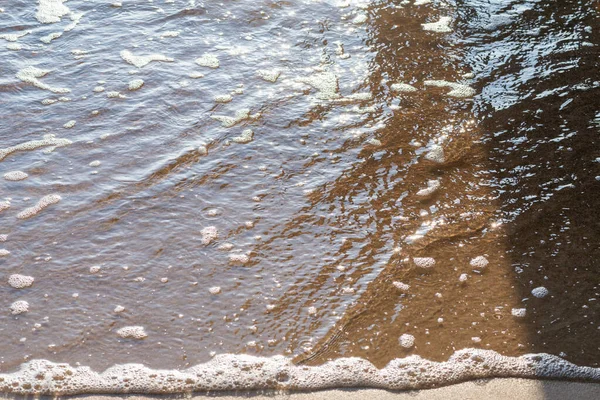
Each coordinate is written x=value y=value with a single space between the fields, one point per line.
x=494 y=389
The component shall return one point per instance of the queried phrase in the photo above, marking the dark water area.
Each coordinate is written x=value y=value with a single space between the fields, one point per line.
x=537 y=65
x=316 y=180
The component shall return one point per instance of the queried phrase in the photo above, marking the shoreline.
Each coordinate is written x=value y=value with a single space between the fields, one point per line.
x=488 y=389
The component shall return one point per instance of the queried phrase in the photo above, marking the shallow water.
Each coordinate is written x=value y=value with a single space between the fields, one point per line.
x=356 y=216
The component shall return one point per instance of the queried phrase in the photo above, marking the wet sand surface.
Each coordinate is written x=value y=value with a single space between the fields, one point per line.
x=313 y=179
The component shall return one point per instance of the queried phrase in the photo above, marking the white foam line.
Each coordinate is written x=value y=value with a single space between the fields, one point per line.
x=48 y=140
x=245 y=372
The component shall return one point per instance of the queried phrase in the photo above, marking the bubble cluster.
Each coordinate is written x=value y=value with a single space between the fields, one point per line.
x=44 y=202
x=135 y=84
x=51 y=11
x=424 y=262
x=406 y=340
x=19 y=307
x=142 y=61
x=214 y=290
x=432 y=186
x=32 y=74
x=436 y=154
x=239 y=258
x=223 y=98
x=441 y=26
x=209 y=234
x=326 y=84
x=228 y=122
x=47 y=141
x=403 y=287
x=540 y=292
x=246 y=136
x=479 y=262
x=402 y=88
x=18 y=281
x=132 y=332
x=518 y=312
x=457 y=89
x=15 y=176
x=269 y=75
x=208 y=60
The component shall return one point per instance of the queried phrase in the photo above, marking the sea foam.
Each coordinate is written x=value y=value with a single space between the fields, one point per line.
x=246 y=372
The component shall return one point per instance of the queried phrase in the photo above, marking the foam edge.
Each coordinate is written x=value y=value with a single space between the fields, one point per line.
x=245 y=372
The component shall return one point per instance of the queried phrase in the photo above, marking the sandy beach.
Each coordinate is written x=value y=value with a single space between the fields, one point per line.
x=494 y=389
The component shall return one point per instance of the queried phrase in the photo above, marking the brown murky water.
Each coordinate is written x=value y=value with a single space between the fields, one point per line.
x=335 y=212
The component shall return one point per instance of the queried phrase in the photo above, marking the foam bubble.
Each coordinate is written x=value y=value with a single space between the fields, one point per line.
x=246 y=372
x=457 y=89
x=43 y=203
x=441 y=26
x=360 y=19
x=169 y=34
x=463 y=278
x=326 y=84
x=224 y=98
x=141 y=61
x=225 y=247
x=32 y=74
x=479 y=262
x=132 y=332
x=424 y=262
x=209 y=234
x=4 y=252
x=51 y=11
x=239 y=258
x=540 y=292
x=246 y=136
x=269 y=75
x=13 y=37
x=50 y=37
x=312 y=311
x=519 y=312
x=70 y=124
x=421 y=2
x=95 y=163
x=402 y=88
x=119 y=309
x=403 y=287
x=228 y=122
x=15 y=176
x=432 y=187
x=14 y=46
x=19 y=307
x=18 y=281
x=208 y=60
x=196 y=75
x=94 y=269
x=114 y=94
x=99 y=89
x=135 y=84
x=48 y=141
x=215 y=290
x=4 y=205
x=436 y=154
x=406 y=340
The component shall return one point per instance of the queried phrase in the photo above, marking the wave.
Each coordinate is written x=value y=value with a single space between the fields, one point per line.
x=245 y=372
